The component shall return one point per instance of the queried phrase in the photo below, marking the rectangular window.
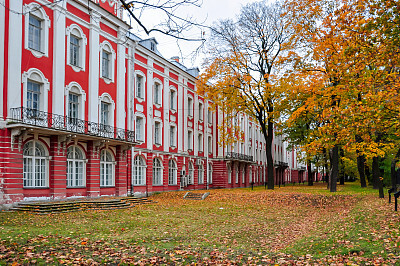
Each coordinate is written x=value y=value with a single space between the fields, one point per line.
x=190 y=107
x=35 y=32
x=105 y=72
x=200 y=141
x=157 y=92
x=139 y=128
x=73 y=103
x=190 y=137
x=157 y=132
x=172 y=99
x=74 y=50
x=172 y=136
x=209 y=116
x=229 y=175
x=139 y=87
x=201 y=111
x=33 y=95
x=105 y=113
x=210 y=145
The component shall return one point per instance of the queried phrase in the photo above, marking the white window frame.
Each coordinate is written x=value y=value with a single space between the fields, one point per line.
x=237 y=174
x=190 y=140
x=35 y=75
x=103 y=166
x=172 y=135
x=172 y=173
x=190 y=106
x=200 y=173
x=140 y=74
x=34 y=9
x=139 y=171
x=201 y=111
x=159 y=137
x=191 y=173
x=106 y=98
x=209 y=115
x=140 y=132
x=157 y=101
x=200 y=142
x=157 y=172
x=73 y=178
x=75 y=88
x=107 y=47
x=76 y=31
x=33 y=159
x=173 y=94
x=244 y=174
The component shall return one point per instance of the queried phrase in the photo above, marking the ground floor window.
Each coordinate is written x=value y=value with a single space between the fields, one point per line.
x=75 y=167
x=139 y=171
x=157 y=172
x=106 y=169
x=35 y=165
x=172 y=172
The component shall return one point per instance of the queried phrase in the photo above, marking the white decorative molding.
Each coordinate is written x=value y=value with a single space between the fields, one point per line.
x=74 y=87
x=157 y=113
x=36 y=75
x=139 y=107
x=106 y=46
x=75 y=30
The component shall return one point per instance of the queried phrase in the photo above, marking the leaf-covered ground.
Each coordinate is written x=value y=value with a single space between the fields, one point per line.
x=290 y=225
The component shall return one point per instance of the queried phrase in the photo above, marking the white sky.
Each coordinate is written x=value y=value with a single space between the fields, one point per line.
x=211 y=11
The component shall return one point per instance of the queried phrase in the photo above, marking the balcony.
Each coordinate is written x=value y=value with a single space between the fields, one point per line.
x=42 y=119
x=281 y=164
x=238 y=156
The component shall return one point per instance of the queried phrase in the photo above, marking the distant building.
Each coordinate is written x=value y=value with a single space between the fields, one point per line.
x=88 y=109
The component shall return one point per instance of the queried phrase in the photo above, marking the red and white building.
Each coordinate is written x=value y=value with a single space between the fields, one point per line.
x=88 y=109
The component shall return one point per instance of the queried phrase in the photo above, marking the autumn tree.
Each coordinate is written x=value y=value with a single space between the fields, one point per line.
x=356 y=92
x=245 y=60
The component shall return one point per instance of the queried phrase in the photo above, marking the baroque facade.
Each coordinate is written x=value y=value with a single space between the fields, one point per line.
x=89 y=109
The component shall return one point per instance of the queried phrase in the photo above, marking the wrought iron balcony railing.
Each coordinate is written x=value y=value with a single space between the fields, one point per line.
x=238 y=156
x=59 y=122
x=281 y=164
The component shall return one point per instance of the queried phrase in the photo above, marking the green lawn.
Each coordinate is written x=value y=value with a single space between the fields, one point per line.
x=290 y=224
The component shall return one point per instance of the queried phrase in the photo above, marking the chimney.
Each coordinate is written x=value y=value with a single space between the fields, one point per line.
x=175 y=58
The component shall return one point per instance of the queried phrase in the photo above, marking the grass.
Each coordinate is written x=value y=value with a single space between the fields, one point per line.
x=290 y=224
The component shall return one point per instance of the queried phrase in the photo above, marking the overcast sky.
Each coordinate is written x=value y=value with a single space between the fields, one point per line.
x=211 y=11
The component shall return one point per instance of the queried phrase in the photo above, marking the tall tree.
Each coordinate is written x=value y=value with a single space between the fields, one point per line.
x=246 y=56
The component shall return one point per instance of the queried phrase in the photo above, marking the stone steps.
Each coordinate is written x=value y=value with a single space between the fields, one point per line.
x=80 y=205
x=196 y=196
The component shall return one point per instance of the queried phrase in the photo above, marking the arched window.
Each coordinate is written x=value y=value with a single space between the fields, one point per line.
x=76 y=47
x=75 y=99
x=244 y=174
x=191 y=174
x=140 y=85
x=209 y=173
x=172 y=98
x=229 y=174
x=157 y=172
x=35 y=165
x=250 y=175
x=201 y=173
x=37 y=25
x=75 y=167
x=106 y=169
x=36 y=88
x=107 y=59
x=236 y=174
x=157 y=92
x=139 y=171
x=172 y=172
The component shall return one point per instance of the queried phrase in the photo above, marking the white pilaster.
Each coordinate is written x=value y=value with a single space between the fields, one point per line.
x=94 y=66
x=2 y=37
x=131 y=87
x=149 y=97
x=180 y=114
x=185 y=118
x=14 y=89
x=121 y=57
x=58 y=85
x=166 y=111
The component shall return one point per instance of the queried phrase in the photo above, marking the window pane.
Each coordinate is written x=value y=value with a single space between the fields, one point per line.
x=105 y=64
x=74 y=50
x=35 y=30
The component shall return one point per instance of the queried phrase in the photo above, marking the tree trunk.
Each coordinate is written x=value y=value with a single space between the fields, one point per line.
x=380 y=181
x=334 y=168
x=375 y=172
x=361 y=162
x=393 y=170
x=270 y=161
x=326 y=167
x=309 y=173
x=361 y=167
x=341 y=167
x=368 y=174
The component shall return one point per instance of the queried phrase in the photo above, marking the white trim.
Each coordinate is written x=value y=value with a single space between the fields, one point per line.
x=82 y=49
x=105 y=97
x=38 y=11
x=36 y=75
x=2 y=43
x=174 y=100
x=82 y=98
x=103 y=46
x=143 y=131
x=160 y=98
x=143 y=76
